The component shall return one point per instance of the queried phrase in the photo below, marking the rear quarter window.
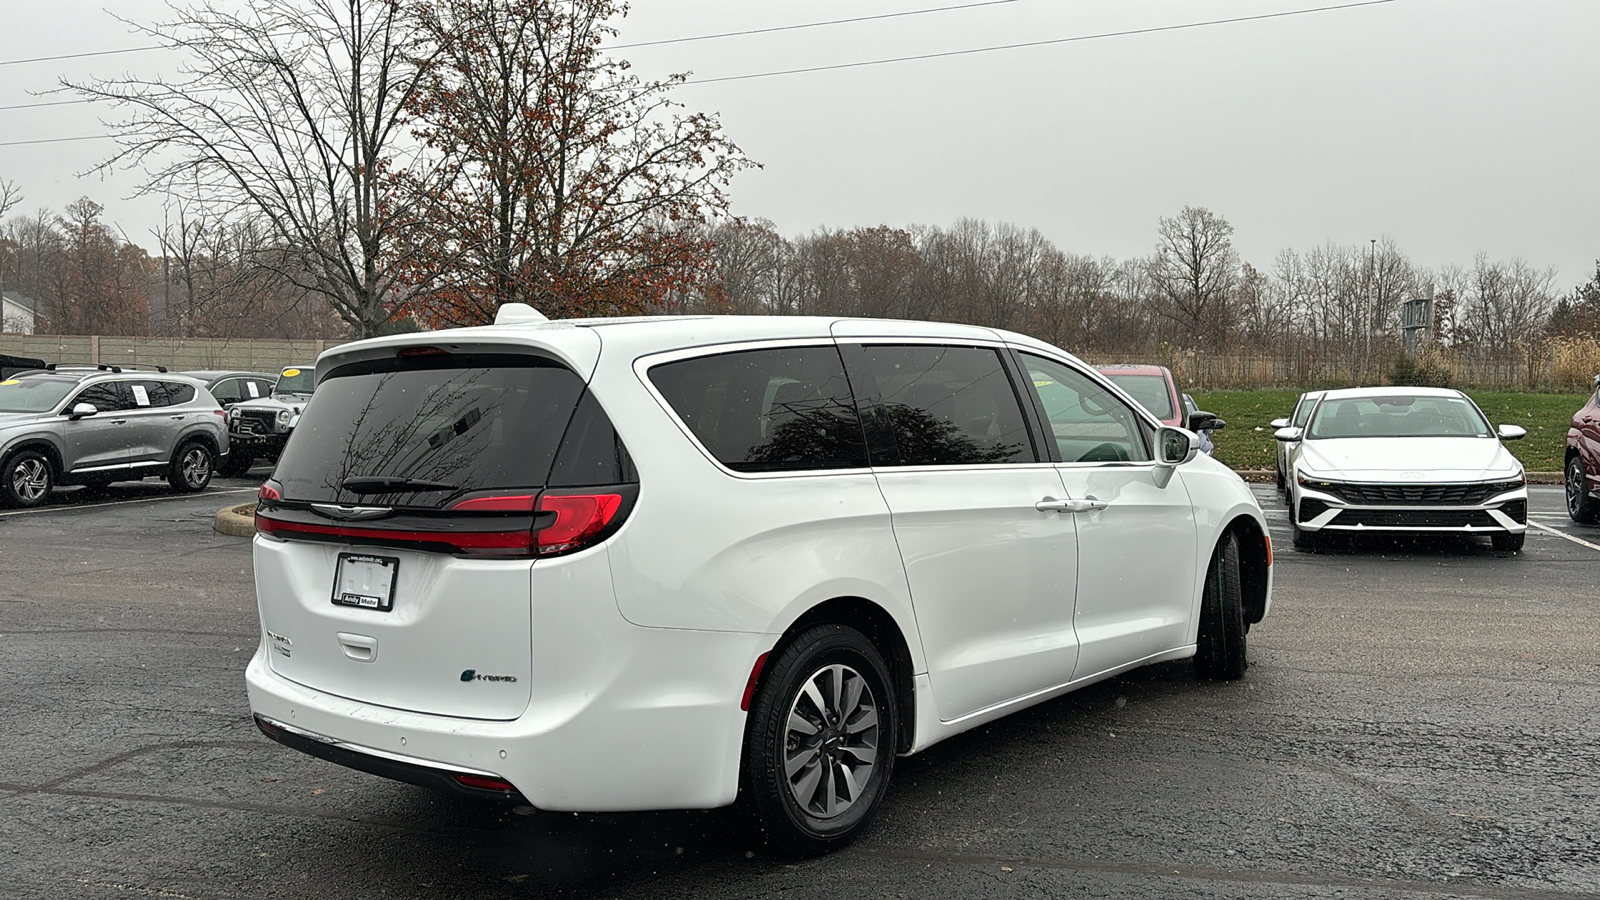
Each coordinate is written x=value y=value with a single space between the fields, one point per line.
x=770 y=410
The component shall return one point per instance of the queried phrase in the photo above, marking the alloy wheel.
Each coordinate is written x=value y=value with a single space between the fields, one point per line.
x=196 y=467
x=30 y=480
x=831 y=741
x=1575 y=488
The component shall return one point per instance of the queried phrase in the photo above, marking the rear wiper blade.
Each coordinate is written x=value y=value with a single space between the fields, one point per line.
x=391 y=484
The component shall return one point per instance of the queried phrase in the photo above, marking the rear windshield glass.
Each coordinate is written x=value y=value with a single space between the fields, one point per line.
x=34 y=394
x=420 y=431
x=1398 y=415
x=1150 y=390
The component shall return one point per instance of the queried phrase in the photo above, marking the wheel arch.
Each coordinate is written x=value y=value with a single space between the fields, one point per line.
x=879 y=627
x=43 y=445
x=1255 y=565
x=197 y=435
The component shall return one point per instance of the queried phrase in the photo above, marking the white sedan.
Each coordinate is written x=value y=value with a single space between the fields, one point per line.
x=1405 y=459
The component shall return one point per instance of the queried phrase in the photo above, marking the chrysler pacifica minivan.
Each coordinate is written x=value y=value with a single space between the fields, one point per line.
x=684 y=562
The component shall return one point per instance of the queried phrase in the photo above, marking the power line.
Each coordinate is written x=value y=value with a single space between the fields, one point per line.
x=38 y=105
x=1065 y=40
x=896 y=15
x=87 y=137
x=18 y=62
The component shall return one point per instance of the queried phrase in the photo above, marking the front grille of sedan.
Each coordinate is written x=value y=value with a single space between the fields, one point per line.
x=1367 y=494
x=1415 y=518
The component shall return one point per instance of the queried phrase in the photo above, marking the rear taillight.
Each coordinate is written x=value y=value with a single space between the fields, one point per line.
x=579 y=518
x=268 y=492
x=509 y=503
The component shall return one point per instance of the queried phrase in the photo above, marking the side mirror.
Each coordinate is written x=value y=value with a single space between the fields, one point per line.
x=1512 y=432
x=1289 y=435
x=1200 y=420
x=82 y=411
x=1175 y=446
x=1275 y=424
x=1597 y=381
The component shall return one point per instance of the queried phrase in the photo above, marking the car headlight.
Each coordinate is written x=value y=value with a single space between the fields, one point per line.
x=232 y=418
x=283 y=419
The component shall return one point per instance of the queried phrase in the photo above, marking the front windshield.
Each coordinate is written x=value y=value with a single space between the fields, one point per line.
x=1150 y=390
x=1398 y=415
x=35 y=395
x=296 y=381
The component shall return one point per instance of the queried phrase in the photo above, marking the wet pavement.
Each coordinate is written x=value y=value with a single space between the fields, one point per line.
x=1419 y=720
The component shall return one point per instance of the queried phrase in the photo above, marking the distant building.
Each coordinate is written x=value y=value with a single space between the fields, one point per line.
x=17 y=313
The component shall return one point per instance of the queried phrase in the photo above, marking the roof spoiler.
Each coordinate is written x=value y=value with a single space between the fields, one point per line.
x=518 y=313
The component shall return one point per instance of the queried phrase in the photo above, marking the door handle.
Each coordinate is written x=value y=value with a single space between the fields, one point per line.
x=1088 y=504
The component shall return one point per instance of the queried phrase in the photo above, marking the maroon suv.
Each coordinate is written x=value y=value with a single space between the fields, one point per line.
x=1583 y=461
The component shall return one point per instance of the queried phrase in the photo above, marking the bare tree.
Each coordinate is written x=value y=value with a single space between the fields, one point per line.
x=572 y=184
x=10 y=196
x=1194 y=272
x=287 y=113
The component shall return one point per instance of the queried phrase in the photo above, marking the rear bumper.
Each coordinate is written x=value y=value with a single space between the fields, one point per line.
x=657 y=725
x=449 y=779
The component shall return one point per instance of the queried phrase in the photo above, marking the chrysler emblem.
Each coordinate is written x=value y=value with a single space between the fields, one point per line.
x=350 y=513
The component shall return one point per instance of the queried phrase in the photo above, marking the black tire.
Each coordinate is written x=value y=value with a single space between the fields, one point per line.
x=1581 y=505
x=1509 y=543
x=235 y=465
x=191 y=467
x=26 y=479
x=1283 y=485
x=796 y=814
x=1220 y=654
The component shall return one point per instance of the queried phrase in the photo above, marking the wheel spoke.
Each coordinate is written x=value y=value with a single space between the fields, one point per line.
x=852 y=696
x=805 y=790
x=800 y=760
x=815 y=695
x=836 y=683
x=864 y=755
x=801 y=724
x=866 y=720
x=830 y=796
x=847 y=781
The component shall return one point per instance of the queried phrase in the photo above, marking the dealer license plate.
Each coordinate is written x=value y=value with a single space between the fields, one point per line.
x=365 y=581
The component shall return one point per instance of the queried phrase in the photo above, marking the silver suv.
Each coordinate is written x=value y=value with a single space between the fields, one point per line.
x=93 y=426
x=258 y=429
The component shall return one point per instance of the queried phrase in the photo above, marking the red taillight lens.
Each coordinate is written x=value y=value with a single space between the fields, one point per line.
x=422 y=351
x=579 y=517
x=268 y=492
x=483 y=782
x=750 y=685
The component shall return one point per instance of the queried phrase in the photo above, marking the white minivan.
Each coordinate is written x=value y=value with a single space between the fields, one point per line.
x=679 y=562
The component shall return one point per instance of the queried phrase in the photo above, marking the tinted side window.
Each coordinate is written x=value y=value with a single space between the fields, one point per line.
x=782 y=409
x=228 y=390
x=161 y=393
x=1088 y=422
x=107 y=396
x=591 y=453
x=948 y=405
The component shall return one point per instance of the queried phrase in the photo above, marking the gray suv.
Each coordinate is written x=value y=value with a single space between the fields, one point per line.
x=93 y=426
x=258 y=429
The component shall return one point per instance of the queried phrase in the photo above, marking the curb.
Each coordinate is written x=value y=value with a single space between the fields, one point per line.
x=238 y=521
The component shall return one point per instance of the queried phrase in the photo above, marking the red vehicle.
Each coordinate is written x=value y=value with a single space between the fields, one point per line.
x=1153 y=387
x=1583 y=461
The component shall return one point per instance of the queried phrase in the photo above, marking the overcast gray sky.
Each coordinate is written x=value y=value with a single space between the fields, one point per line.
x=1453 y=126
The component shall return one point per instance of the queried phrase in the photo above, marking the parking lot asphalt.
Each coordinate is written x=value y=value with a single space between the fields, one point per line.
x=1419 y=720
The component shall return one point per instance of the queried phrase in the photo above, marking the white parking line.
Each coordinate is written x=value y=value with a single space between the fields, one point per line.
x=1563 y=534
x=45 y=509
